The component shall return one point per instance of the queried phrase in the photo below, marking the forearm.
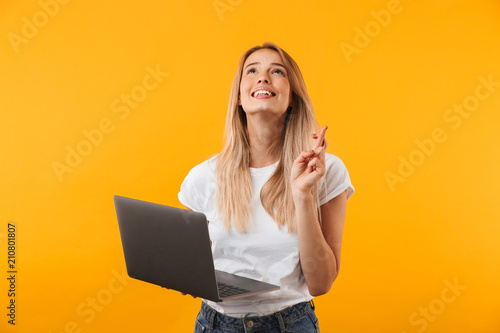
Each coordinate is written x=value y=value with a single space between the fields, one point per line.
x=316 y=257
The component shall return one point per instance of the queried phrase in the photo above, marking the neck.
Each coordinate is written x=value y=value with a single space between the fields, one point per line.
x=263 y=133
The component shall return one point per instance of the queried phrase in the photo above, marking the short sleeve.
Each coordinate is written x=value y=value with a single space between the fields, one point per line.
x=194 y=188
x=335 y=181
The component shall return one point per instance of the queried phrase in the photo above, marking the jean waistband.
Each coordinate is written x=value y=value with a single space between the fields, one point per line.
x=277 y=319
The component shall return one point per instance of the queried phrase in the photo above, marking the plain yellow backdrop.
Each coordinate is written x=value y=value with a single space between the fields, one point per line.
x=410 y=91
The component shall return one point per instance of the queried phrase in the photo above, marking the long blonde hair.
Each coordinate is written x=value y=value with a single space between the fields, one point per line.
x=234 y=184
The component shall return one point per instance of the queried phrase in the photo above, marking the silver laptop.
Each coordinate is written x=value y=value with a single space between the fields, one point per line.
x=170 y=247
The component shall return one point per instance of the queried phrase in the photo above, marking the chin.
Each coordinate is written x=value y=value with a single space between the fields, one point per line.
x=264 y=108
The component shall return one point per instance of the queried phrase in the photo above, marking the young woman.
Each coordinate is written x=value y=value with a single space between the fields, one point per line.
x=274 y=199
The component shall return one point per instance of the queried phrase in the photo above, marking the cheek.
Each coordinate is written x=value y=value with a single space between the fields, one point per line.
x=285 y=86
x=288 y=91
x=244 y=86
x=243 y=94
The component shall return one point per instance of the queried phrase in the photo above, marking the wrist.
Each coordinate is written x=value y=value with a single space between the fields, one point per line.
x=300 y=197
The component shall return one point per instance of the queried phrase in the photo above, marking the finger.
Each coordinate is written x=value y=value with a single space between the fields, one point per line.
x=320 y=137
x=314 y=137
x=316 y=165
x=313 y=162
x=320 y=151
x=311 y=166
x=304 y=156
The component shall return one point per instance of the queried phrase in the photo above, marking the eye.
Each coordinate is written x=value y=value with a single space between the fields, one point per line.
x=279 y=71
x=251 y=70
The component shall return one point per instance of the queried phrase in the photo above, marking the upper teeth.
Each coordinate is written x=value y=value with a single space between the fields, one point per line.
x=262 y=92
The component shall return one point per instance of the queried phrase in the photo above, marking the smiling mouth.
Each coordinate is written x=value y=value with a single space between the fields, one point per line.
x=262 y=92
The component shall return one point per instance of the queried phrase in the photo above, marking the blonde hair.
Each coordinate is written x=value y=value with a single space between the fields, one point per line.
x=234 y=185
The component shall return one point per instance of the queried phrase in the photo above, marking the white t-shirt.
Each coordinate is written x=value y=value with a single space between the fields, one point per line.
x=264 y=252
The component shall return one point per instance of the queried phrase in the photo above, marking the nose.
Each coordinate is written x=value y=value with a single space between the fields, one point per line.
x=263 y=78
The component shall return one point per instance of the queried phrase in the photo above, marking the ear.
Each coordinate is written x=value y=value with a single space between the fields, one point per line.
x=239 y=100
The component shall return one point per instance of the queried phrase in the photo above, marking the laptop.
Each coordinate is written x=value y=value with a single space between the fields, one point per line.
x=170 y=247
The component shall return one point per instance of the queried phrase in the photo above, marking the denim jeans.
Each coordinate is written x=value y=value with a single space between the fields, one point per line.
x=299 y=318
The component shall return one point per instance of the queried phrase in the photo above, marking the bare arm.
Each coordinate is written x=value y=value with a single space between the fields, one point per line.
x=319 y=245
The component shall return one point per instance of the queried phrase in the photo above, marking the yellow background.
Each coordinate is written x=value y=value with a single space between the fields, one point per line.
x=403 y=244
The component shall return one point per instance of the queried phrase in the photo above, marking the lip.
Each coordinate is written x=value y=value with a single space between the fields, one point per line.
x=263 y=96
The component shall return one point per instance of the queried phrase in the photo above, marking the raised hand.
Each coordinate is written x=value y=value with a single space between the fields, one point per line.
x=309 y=166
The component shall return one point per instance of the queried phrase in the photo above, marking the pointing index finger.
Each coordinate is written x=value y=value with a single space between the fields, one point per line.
x=321 y=137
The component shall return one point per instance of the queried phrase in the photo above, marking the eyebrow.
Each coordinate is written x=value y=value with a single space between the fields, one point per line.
x=273 y=63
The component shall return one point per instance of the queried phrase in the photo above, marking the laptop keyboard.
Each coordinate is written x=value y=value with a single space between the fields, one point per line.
x=226 y=290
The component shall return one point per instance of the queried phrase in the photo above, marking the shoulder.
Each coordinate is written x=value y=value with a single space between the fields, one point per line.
x=335 y=181
x=204 y=169
x=198 y=185
x=333 y=162
x=201 y=175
